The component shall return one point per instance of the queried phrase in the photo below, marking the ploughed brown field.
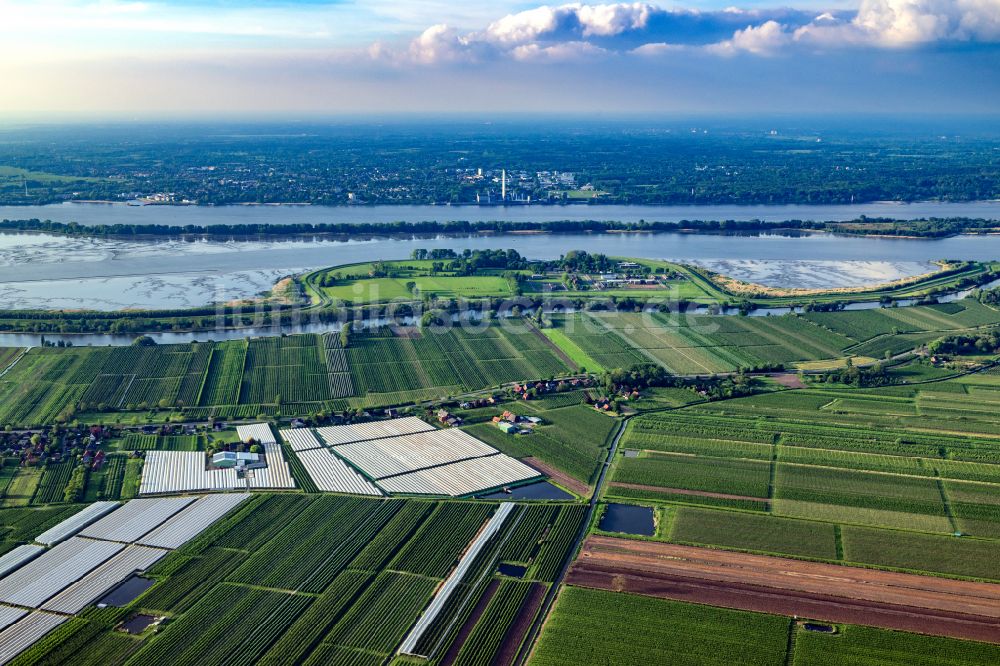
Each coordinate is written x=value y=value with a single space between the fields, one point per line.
x=813 y=590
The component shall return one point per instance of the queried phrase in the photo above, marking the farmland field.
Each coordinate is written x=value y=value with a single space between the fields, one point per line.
x=603 y=627
x=924 y=552
x=389 y=369
x=867 y=646
x=734 y=477
x=574 y=438
x=590 y=626
x=824 y=479
x=754 y=532
x=338 y=576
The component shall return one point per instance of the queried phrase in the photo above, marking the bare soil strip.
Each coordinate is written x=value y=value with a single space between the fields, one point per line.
x=560 y=477
x=463 y=634
x=683 y=491
x=515 y=634
x=829 y=592
x=788 y=380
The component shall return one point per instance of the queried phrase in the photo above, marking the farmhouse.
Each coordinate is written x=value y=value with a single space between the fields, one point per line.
x=507 y=427
x=235 y=459
x=167 y=472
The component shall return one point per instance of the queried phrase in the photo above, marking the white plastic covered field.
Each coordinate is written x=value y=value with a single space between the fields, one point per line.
x=331 y=474
x=95 y=550
x=166 y=472
x=405 y=456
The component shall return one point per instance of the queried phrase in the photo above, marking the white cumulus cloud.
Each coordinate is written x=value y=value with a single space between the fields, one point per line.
x=577 y=30
x=909 y=23
x=765 y=39
x=577 y=20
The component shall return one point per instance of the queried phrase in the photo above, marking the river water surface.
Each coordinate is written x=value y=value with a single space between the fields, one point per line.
x=90 y=213
x=42 y=271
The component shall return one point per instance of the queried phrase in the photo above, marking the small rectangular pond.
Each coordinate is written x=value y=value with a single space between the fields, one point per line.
x=125 y=593
x=512 y=570
x=628 y=519
x=543 y=490
x=137 y=624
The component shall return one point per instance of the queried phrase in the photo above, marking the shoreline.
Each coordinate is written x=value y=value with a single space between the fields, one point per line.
x=275 y=232
x=593 y=203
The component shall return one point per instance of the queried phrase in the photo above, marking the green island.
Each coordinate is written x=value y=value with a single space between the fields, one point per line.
x=494 y=281
x=860 y=439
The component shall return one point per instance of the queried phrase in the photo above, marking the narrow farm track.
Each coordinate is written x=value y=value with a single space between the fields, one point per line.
x=563 y=356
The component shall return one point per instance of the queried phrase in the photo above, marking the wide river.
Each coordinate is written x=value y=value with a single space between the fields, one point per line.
x=42 y=271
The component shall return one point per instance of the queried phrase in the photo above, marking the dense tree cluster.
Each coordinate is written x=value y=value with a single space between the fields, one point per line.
x=923 y=228
x=622 y=162
x=469 y=262
x=638 y=377
x=850 y=374
x=987 y=342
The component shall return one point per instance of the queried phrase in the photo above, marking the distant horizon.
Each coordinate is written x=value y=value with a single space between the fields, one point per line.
x=118 y=59
x=466 y=119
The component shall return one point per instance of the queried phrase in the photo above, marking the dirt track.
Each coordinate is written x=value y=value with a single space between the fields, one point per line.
x=682 y=491
x=515 y=633
x=790 y=587
x=560 y=477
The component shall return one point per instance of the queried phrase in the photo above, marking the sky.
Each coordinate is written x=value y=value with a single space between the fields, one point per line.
x=279 y=58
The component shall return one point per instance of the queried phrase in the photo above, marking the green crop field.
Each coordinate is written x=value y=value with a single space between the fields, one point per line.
x=390 y=369
x=323 y=577
x=590 y=336
x=596 y=626
x=867 y=646
x=22 y=487
x=380 y=290
x=716 y=475
x=859 y=515
x=225 y=374
x=289 y=369
x=754 y=532
x=924 y=552
x=592 y=626
x=22 y=524
x=862 y=489
x=862 y=325
x=573 y=350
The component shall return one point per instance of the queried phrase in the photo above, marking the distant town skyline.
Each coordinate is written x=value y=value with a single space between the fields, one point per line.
x=182 y=58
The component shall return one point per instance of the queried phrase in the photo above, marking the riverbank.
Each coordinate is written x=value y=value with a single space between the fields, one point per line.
x=916 y=228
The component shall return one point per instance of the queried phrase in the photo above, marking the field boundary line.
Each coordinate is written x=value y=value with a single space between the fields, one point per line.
x=947 y=504
x=125 y=392
x=11 y=365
